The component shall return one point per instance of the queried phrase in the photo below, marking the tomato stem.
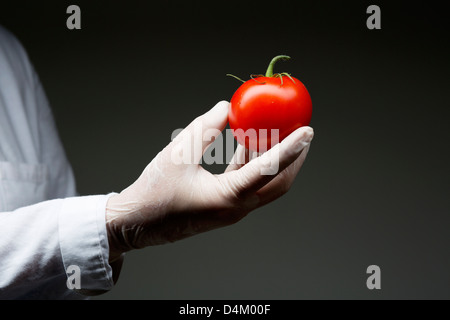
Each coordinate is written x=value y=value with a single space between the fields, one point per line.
x=269 y=72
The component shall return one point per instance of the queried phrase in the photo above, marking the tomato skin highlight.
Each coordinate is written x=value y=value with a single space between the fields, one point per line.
x=267 y=103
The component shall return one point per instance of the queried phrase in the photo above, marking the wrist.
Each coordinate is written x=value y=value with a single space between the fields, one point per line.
x=113 y=227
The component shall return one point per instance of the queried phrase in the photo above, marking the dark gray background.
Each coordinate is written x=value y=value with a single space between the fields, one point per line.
x=374 y=189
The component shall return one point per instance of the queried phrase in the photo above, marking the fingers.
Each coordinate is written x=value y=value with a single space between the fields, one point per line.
x=283 y=181
x=260 y=171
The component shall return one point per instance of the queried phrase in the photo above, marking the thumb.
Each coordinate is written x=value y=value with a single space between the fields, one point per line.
x=261 y=170
x=213 y=122
x=201 y=132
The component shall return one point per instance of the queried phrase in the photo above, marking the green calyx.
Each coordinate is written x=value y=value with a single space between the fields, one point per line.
x=269 y=72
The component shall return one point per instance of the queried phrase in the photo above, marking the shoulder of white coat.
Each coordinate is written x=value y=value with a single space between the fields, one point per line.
x=8 y=40
x=13 y=57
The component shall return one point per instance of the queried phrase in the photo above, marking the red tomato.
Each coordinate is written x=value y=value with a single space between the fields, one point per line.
x=265 y=104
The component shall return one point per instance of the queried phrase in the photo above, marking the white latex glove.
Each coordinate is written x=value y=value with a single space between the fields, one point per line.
x=171 y=201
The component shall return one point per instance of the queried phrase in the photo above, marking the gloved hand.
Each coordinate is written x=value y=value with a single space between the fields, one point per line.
x=172 y=199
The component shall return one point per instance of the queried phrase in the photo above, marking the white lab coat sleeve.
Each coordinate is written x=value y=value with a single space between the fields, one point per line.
x=46 y=245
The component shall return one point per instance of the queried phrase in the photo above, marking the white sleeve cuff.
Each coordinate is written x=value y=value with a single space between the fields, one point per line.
x=84 y=242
